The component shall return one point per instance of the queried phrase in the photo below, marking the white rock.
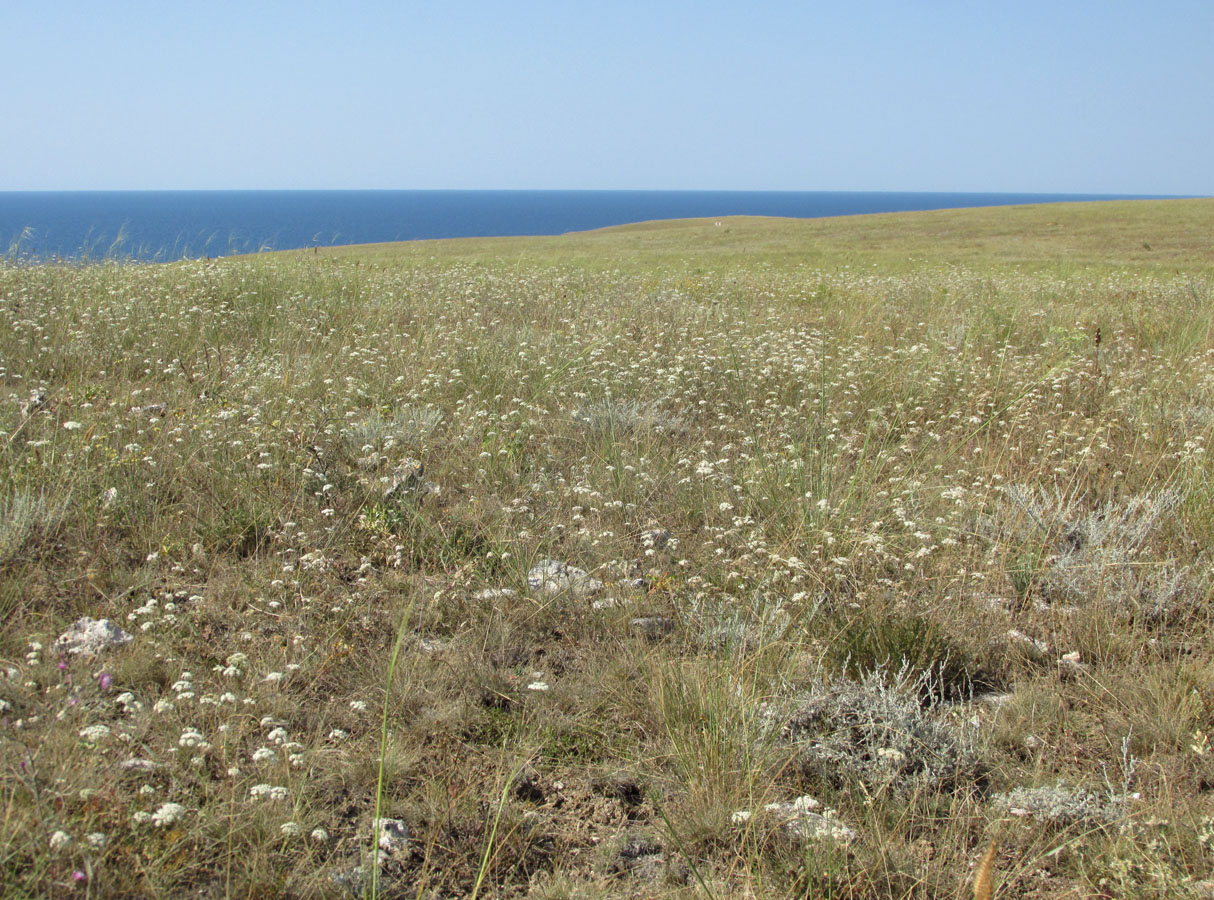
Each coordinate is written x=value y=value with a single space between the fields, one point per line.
x=652 y=627
x=804 y=803
x=1202 y=890
x=994 y=699
x=393 y=835
x=91 y=636
x=137 y=765
x=1019 y=637
x=550 y=577
x=496 y=593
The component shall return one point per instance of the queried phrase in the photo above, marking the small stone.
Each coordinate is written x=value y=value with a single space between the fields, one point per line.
x=137 y=765
x=813 y=827
x=407 y=479
x=1202 y=890
x=995 y=699
x=495 y=593
x=646 y=861
x=550 y=577
x=91 y=636
x=37 y=400
x=635 y=849
x=393 y=836
x=1031 y=644
x=651 y=627
x=805 y=803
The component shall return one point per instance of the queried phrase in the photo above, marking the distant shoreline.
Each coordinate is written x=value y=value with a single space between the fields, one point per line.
x=169 y=225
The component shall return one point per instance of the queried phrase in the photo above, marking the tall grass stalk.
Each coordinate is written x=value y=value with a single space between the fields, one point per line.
x=402 y=632
x=487 y=855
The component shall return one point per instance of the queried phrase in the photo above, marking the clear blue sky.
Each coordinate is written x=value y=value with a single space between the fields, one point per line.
x=1103 y=97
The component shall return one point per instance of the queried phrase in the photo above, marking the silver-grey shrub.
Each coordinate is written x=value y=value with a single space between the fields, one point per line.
x=731 y=626
x=1099 y=552
x=876 y=731
x=406 y=426
x=610 y=416
x=1062 y=806
x=22 y=515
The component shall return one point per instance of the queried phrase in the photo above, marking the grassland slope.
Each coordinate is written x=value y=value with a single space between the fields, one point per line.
x=896 y=533
x=1155 y=235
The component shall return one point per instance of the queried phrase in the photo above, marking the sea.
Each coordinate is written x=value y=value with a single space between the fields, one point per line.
x=172 y=225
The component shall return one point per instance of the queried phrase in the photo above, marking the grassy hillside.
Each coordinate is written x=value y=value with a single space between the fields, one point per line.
x=1146 y=234
x=768 y=559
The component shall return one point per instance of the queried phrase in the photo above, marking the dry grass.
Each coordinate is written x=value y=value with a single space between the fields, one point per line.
x=894 y=535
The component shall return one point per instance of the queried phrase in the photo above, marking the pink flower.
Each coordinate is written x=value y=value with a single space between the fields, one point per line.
x=105 y=680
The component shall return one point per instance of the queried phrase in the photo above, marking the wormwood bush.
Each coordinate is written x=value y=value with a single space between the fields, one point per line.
x=1062 y=806
x=611 y=416
x=22 y=516
x=875 y=731
x=1069 y=553
x=734 y=628
x=406 y=426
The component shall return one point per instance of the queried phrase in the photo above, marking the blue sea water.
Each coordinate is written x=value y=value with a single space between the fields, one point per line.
x=168 y=225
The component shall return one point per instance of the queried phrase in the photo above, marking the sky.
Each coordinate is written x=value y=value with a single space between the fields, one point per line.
x=867 y=95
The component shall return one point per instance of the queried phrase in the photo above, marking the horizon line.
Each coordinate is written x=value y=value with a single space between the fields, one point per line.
x=987 y=193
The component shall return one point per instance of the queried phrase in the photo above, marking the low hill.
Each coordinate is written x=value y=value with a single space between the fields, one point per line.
x=1167 y=234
